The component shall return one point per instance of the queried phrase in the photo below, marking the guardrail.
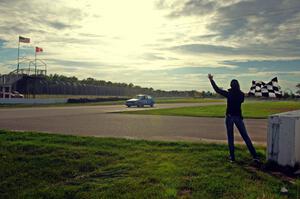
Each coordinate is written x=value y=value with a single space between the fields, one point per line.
x=33 y=101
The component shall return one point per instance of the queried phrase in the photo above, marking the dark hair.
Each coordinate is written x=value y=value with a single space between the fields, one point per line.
x=234 y=84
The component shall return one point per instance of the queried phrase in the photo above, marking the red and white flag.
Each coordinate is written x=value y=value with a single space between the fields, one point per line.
x=24 y=39
x=38 y=50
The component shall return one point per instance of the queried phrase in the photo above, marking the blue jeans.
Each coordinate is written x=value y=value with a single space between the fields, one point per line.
x=238 y=121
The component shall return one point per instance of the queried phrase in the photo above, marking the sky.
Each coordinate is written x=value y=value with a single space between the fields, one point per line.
x=163 y=44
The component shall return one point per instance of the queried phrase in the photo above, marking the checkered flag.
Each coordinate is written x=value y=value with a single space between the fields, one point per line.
x=261 y=89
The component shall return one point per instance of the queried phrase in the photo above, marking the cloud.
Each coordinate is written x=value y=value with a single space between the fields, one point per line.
x=71 y=63
x=263 y=18
x=187 y=8
x=204 y=37
x=267 y=65
x=204 y=70
x=156 y=57
x=173 y=45
x=72 y=39
x=268 y=28
x=259 y=50
x=60 y=25
x=152 y=56
x=283 y=67
x=205 y=49
x=33 y=17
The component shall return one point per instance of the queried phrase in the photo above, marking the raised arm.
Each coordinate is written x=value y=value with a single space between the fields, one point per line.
x=216 y=88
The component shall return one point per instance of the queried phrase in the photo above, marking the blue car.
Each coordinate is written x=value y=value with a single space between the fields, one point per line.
x=140 y=101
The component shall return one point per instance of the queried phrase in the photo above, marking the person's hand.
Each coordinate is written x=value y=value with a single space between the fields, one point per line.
x=210 y=77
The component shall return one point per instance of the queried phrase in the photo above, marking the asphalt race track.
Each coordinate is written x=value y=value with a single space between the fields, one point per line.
x=102 y=121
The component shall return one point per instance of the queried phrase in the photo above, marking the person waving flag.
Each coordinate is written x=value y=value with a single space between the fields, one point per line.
x=235 y=98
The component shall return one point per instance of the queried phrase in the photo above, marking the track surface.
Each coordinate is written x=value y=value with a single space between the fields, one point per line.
x=102 y=121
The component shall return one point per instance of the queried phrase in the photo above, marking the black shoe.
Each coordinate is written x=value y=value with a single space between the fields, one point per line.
x=231 y=160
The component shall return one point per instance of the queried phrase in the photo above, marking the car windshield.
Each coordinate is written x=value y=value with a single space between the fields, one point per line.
x=140 y=97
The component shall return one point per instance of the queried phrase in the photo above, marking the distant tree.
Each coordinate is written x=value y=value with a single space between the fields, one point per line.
x=206 y=94
x=298 y=87
x=286 y=95
x=209 y=94
x=73 y=79
x=109 y=83
x=131 y=85
x=88 y=80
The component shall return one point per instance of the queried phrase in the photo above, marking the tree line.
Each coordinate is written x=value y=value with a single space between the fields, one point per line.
x=291 y=94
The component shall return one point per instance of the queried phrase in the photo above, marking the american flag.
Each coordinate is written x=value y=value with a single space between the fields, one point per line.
x=24 y=39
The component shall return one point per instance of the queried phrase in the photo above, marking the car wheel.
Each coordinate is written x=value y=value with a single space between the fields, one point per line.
x=151 y=105
x=128 y=106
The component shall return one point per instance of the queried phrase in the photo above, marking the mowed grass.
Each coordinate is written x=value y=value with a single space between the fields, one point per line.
x=253 y=109
x=35 y=165
x=188 y=100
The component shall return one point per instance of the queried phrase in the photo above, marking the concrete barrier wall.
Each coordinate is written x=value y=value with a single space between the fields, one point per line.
x=32 y=101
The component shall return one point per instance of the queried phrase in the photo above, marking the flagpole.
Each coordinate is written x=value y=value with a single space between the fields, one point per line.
x=34 y=84
x=35 y=62
x=18 y=55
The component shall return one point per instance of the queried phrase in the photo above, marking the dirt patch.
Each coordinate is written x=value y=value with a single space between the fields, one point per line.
x=184 y=192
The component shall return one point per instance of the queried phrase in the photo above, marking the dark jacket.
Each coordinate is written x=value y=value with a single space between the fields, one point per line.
x=235 y=98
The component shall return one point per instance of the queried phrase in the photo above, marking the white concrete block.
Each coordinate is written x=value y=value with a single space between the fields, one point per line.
x=283 y=139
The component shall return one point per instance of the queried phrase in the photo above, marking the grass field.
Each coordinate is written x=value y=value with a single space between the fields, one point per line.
x=37 y=165
x=188 y=100
x=254 y=109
